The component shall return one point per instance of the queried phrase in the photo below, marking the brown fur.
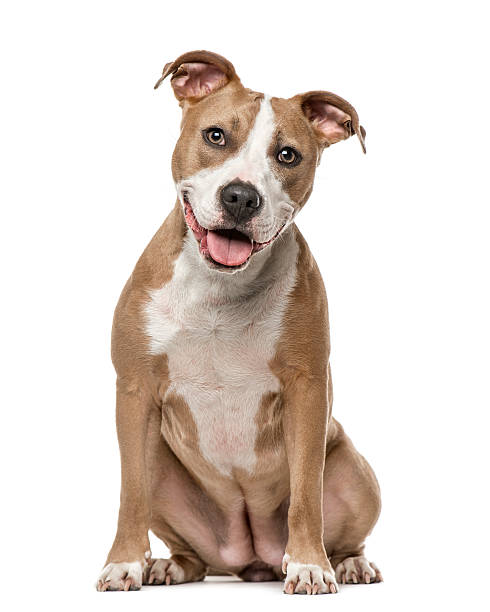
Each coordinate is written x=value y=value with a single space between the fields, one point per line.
x=311 y=494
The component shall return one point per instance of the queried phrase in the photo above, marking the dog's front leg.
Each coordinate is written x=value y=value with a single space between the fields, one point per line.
x=131 y=548
x=305 y=427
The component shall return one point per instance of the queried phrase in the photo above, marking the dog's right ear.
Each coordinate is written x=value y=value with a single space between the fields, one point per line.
x=197 y=74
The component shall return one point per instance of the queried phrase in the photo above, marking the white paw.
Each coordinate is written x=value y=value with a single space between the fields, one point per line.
x=356 y=570
x=165 y=571
x=307 y=578
x=121 y=577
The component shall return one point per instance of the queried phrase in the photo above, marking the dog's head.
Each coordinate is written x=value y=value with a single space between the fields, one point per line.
x=244 y=163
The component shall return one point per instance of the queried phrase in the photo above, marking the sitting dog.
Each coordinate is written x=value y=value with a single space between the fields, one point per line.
x=229 y=450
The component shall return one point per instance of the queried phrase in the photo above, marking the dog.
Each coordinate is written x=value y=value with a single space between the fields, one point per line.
x=229 y=450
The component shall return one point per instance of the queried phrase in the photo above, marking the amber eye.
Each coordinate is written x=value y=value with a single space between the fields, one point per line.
x=215 y=136
x=287 y=155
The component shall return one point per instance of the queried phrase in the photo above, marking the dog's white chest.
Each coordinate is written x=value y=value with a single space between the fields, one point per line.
x=219 y=334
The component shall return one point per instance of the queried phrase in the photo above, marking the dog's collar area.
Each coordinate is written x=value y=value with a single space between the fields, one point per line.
x=226 y=248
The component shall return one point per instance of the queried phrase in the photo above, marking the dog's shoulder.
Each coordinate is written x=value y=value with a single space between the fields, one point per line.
x=305 y=324
x=153 y=270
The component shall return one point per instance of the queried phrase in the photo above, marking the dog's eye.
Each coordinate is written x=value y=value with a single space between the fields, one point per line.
x=287 y=155
x=215 y=136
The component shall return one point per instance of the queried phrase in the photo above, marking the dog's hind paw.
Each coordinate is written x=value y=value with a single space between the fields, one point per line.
x=164 y=571
x=357 y=570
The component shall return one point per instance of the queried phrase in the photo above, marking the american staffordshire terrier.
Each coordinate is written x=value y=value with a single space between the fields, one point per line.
x=229 y=450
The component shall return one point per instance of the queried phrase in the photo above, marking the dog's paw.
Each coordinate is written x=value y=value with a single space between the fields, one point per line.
x=121 y=577
x=357 y=570
x=306 y=578
x=164 y=571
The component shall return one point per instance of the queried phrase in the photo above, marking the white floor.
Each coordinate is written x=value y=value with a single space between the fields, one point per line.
x=409 y=590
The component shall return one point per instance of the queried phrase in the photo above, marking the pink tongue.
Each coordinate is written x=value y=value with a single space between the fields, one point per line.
x=229 y=247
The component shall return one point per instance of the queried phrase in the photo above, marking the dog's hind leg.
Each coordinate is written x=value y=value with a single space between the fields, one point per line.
x=184 y=565
x=351 y=509
x=184 y=518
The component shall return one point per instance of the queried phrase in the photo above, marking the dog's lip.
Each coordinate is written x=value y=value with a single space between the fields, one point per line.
x=200 y=233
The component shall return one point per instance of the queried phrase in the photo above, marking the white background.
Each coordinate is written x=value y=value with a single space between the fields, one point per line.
x=401 y=237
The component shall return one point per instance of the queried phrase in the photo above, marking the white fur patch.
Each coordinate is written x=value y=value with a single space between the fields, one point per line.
x=308 y=578
x=251 y=164
x=114 y=576
x=219 y=332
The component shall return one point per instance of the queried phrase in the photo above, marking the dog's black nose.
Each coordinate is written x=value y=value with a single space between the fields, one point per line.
x=241 y=200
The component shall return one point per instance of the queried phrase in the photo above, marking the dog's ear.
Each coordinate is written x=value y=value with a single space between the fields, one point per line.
x=197 y=74
x=332 y=118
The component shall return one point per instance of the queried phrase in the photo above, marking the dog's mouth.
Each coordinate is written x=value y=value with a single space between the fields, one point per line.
x=224 y=247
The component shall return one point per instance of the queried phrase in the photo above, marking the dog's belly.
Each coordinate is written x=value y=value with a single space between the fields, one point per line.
x=229 y=387
x=219 y=339
x=215 y=520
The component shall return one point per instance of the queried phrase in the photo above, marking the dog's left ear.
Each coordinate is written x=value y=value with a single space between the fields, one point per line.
x=332 y=118
x=197 y=74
